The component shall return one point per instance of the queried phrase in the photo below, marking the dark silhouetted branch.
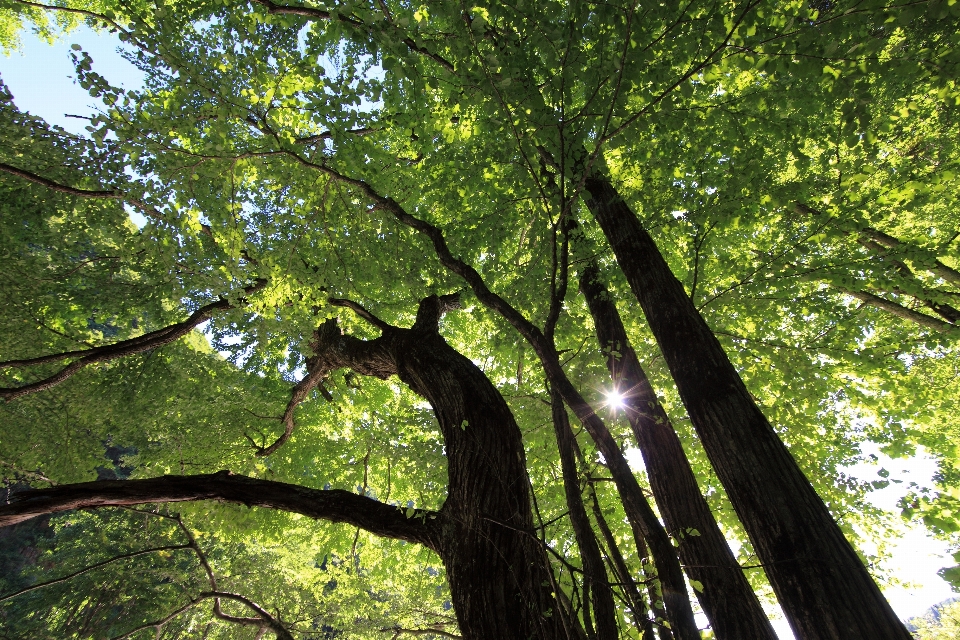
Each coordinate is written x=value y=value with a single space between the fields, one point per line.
x=334 y=505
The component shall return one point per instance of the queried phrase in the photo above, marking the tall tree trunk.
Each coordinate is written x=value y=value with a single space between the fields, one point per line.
x=596 y=587
x=677 y=607
x=726 y=598
x=499 y=575
x=821 y=583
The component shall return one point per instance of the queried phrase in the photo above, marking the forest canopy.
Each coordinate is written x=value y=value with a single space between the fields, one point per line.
x=347 y=321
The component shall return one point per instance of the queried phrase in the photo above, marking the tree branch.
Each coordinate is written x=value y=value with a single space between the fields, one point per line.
x=56 y=186
x=361 y=311
x=334 y=505
x=125 y=556
x=900 y=311
x=132 y=346
x=322 y=14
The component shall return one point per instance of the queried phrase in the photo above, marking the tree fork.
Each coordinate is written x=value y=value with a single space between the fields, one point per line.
x=498 y=570
x=824 y=588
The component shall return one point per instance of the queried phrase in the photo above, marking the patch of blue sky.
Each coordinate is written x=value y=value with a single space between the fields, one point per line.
x=42 y=78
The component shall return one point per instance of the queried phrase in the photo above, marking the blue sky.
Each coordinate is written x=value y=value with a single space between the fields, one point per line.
x=40 y=76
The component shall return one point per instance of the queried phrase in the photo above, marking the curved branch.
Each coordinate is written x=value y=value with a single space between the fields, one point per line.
x=264 y=619
x=132 y=346
x=158 y=624
x=361 y=311
x=56 y=186
x=313 y=380
x=82 y=12
x=334 y=505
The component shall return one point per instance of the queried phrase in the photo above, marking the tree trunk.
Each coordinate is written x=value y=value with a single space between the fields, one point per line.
x=727 y=599
x=596 y=587
x=499 y=575
x=676 y=609
x=820 y=581
x=500 y=580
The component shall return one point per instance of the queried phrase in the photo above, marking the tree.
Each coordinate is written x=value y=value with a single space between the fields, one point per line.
x=306 y=174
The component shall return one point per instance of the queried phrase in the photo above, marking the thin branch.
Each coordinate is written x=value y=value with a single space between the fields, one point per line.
x=82 y=12
x=56 y=186
x=125 y=556
x=158 y=624
x=397 y=631
x=323 y=14
x=112 y=194
x=104 y=353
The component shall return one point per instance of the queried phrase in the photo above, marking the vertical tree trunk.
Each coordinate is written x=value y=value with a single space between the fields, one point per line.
x=499 y=575
x=631 y=592
x=726 y=598
x=596 y=587
x=820 y=581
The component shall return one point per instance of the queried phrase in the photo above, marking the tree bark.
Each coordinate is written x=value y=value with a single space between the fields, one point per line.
x=499 y=575
x=595 y=584
x=727 y=598
x=500 y=579
x=334 y=505
x=824 y=588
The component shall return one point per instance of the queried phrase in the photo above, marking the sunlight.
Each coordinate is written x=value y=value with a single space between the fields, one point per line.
x=615 y=400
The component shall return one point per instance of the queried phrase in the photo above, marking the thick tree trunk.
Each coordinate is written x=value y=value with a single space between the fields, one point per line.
x=726 y=598
x=499 y=576
x=676 y=608
x=596 y=587
x=821 y=583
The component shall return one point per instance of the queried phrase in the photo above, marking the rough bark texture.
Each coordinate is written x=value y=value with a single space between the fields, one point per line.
x=727 y=599
x=497 y=567
x=595 y=581
x=820 y=581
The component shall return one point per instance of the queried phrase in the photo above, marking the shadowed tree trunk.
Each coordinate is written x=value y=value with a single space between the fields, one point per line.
x=824 y=588
x=500 y=579
x=727 y=599
x=595 y=583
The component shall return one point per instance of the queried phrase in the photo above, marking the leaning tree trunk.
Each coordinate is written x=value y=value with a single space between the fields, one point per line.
x=824 y=588
x=596 y=587
x=499 y=576
x=727 y=599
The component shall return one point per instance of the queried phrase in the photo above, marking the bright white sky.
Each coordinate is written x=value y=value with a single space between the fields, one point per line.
x=40 y=76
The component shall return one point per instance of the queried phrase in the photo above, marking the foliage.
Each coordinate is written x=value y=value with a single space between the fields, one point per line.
x=762 y=145
x=941 y=622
